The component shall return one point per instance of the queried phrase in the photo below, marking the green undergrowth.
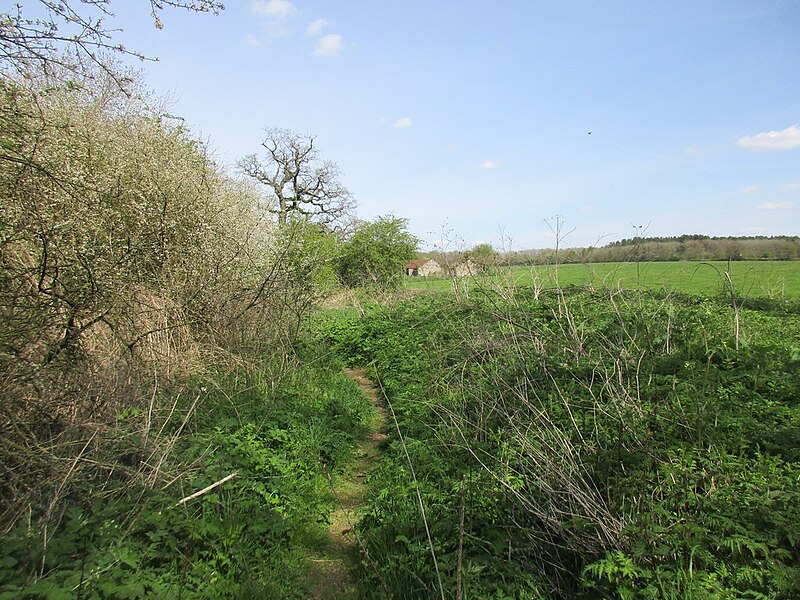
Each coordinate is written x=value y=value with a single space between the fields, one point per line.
x=774 y=280
x=249 y=537
x=581 y=444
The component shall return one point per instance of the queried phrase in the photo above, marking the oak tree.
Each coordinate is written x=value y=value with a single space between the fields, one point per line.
x=298 y=182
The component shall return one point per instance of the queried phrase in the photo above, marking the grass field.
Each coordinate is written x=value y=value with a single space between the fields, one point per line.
x=779 y=280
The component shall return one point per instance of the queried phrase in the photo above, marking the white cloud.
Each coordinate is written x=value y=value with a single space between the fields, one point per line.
x=772 y=140
x=315 y=27
x=489 y=164
x=791 y=187
x=693 y=151
x=402 y=123
x=775 y=205
x=750 y=189
x=253 y=41
x=329 y=45
x=275 y=9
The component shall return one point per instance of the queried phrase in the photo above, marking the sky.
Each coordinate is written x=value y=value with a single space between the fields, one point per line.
x=481 y=121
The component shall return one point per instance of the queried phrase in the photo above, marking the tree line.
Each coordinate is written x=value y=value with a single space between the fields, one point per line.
x=685 y=247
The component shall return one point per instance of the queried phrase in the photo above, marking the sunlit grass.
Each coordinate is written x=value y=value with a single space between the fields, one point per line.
x=763 y=279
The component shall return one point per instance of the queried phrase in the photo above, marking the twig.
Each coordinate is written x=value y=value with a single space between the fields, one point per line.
x=205 y=490
x=735 y=307
x=417 y=489
x=459 y=591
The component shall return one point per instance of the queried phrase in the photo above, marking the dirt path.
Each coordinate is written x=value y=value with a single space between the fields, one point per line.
x=329 y=576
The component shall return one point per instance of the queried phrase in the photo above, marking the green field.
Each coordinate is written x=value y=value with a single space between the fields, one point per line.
x=779 y=280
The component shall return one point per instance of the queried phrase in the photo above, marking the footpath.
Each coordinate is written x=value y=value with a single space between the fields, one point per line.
x=330 y=573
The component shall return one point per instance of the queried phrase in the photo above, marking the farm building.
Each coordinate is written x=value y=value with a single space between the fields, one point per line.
x=422 y=268
x=466 y=269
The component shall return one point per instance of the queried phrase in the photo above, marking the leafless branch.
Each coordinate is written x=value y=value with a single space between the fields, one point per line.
x=62 y=33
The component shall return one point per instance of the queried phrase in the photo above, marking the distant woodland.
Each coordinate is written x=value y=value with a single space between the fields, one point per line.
x=684 y=247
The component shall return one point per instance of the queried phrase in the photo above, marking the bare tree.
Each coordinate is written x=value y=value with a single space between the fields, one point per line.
x=298 y=182
x=66 y=33
x=556 y=225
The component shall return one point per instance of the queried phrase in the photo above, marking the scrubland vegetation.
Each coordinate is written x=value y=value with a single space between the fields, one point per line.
x=150 y=307
x=174 y=416
x=161 y=333
x=149 y=312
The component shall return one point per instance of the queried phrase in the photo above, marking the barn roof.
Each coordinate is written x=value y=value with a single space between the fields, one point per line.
x=416 y=264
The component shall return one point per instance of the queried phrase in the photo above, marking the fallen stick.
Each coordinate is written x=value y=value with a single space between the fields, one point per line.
x=205 y=490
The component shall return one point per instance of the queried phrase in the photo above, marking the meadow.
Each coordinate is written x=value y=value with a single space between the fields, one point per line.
x=776 y=280
x=586 y=440
x=581 y=443
x=175 y=421
x=180 y=416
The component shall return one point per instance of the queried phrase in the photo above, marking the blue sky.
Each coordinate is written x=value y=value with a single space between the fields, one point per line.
x=473 y=119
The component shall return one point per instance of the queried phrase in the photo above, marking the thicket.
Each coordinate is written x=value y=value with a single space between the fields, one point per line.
x=149 y=308
x=149 y=311
x=374 y=255
x=581 y=444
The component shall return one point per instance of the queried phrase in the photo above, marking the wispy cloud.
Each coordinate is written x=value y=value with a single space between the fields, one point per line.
x=402 y=123
x=253 y=40
x=750 y=189
x=775 y=205
x=274 y=9
x=315 y=27
x=791 y=187
x=274 y=18
x=329 y=45
x=489 y=164
x=785 y=139
x=693 y=151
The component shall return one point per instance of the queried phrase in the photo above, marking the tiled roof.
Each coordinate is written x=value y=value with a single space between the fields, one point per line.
x=416 y=264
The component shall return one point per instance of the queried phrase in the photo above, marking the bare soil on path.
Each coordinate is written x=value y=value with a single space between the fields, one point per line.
x=330 y=571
